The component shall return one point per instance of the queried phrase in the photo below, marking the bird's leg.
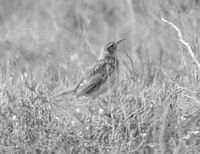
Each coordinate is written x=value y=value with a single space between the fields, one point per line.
x=95 y=107
x=103 y=103
x=91 y=106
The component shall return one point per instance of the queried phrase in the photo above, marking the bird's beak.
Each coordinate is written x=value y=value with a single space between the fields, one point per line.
x=120 y=41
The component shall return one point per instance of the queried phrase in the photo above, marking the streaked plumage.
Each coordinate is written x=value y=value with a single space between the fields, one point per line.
x=99 y=78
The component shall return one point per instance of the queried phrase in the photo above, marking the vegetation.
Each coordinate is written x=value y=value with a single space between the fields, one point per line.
x=156 y=107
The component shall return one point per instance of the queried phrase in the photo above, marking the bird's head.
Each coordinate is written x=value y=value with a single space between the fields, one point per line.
x=111 y=47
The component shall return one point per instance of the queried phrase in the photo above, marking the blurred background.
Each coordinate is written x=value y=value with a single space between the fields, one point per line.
x=67 y=35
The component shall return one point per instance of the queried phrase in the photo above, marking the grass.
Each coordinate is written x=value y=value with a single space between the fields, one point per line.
x=146 y=114
x=155 y=108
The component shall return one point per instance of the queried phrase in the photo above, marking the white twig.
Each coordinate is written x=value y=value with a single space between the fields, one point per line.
x=183 y=42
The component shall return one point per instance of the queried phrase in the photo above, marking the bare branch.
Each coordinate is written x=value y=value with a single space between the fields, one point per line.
x=183 y=42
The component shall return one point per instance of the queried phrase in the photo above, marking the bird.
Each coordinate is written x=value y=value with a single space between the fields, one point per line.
x=99 y=78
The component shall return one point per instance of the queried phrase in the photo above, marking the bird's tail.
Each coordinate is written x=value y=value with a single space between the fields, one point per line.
x=63 y=93
x=68 y=92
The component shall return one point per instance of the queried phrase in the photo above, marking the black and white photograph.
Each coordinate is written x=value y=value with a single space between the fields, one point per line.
x=99 y=76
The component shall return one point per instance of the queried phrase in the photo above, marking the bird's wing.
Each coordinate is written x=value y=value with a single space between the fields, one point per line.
x=88 y=77
x=92 y=83
x=92 y=80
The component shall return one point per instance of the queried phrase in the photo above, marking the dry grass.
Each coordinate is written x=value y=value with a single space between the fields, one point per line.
x=156 y=107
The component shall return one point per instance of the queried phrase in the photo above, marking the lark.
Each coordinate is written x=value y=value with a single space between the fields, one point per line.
x=99 y=78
